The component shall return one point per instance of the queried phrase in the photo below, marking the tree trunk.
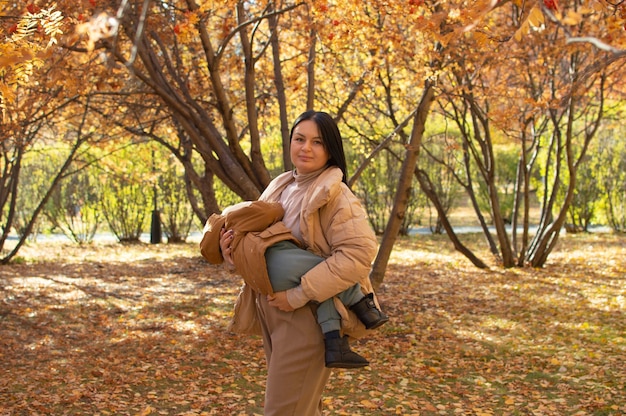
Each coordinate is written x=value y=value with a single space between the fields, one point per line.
x=43 y=202
x=430 y=192
x=281 y=97
x=10 y=181
x=310 y=70
x=256 y=156
x=404 y=186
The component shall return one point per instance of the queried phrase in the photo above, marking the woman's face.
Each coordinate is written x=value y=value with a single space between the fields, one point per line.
x=308 y=152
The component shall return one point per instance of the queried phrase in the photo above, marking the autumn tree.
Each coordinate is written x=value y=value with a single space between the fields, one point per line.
x=74 y=206
x=556 y=95
x=458 y=34
x=217 y=83
x=199 y=64
x=32 y=94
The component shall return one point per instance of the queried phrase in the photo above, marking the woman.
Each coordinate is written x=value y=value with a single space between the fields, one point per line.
x=327 y=218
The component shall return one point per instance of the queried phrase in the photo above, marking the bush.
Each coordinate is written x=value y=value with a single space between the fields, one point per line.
x=74 y=207
x=176 y=213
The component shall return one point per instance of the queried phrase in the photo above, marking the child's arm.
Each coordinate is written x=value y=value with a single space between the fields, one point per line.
x=211 y=239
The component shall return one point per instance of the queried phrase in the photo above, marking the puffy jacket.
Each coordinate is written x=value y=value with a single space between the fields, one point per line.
x=333 y=225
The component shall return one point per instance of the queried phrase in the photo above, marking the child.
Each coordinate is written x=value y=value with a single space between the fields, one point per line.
x=270 y=260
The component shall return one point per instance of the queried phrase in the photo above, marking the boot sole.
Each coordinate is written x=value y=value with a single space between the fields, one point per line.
x=346 y=365
x=378 y=324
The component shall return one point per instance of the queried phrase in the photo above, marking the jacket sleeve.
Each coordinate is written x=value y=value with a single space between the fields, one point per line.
x=210 y=243
x=352 y=244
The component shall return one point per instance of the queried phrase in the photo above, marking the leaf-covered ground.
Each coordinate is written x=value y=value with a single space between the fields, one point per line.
x=140 y=330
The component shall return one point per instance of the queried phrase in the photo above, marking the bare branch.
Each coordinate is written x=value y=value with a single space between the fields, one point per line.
x=597 y=43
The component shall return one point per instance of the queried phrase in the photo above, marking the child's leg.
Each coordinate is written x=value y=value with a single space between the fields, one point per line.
x=287 y=263
x=368 y=313
x=352 y=295
x=328 y=317
x=338 y=352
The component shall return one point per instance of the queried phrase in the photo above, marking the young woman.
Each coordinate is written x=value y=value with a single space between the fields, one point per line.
x=327 y=219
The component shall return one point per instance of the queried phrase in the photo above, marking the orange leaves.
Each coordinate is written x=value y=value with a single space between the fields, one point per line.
x=544 y=12
x=535 y=19
x=35 y=32
x=185 y=29
x=33 y=8
x=593 y=21
x=12 y=55
x=112 y=329
x=551 y=4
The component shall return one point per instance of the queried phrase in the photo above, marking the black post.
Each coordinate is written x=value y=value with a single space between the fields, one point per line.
x=155 y=226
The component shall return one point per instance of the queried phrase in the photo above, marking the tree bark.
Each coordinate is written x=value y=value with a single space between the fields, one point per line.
x=310 y=71
x=404 y=186
x=430 y=192
x=281 y=97
x=57 y=179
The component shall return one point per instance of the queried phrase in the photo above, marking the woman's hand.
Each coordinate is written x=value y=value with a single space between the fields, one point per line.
x=226 y=239
x=279 y=300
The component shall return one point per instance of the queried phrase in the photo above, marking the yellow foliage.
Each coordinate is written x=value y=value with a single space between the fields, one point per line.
x=11 y=54
x=521 y=31
x=572 y=18
x=6 y=92
x=19 y=55
x=193 y=18
x=535 y=17
x=481 y=38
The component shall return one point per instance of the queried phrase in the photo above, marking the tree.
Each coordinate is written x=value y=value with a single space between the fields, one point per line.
x=17 y=141
x=374 y=190
x=206 y=83
x=74 y=207
x=438 y=161
x=616 y=193
x=31 y=36
x=217 y=82
x=176 y=213
x=561 y=118
x=31 y=95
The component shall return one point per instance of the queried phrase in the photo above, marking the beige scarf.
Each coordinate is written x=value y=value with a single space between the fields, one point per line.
x=291 y=200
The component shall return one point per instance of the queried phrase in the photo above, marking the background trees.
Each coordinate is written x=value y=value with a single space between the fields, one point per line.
x=216 y=85
x=552 y=113
x=32 y=94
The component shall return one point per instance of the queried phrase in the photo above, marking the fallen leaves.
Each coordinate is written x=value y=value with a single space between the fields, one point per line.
x=140 y=330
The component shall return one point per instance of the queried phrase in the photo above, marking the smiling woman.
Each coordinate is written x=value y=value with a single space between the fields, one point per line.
x=308 y=152
x=327 y=220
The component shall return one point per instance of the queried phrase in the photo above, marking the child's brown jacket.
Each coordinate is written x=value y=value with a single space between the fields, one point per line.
x=257 y=226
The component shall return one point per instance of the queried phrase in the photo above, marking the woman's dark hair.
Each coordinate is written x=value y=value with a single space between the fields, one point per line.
x=330 y=135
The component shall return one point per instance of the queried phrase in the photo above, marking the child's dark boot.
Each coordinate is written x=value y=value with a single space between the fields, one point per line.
x=339 y=354
x=368 y=313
